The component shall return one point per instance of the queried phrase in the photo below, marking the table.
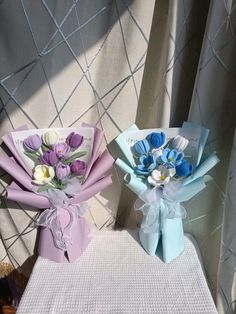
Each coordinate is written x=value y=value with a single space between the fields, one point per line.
x=115 y=275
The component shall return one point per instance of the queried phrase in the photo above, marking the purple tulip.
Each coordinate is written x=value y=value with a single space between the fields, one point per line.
x=32 y=143
x=78 y=167
x=49 y=158
x=74 y=140
x=62 y=170
x=62 y=150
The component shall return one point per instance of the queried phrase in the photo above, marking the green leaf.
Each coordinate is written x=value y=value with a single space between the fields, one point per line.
x=32 y=156
x=45 y=147
x=75 y=156
x=56 y=183
x=61 y=186
x=44 y=188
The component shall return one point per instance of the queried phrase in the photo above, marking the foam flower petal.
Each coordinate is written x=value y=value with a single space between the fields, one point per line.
x=180 y=143
x=141 y=147
x=156 y=139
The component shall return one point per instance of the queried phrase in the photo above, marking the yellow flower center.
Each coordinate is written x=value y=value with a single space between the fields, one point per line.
x=162 y=177
x=171 y=159
x=46 y=174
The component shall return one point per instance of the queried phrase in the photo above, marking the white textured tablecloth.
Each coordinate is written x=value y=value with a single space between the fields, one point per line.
x=115 y=275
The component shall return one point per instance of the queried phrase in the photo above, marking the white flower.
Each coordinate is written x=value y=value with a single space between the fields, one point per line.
x=180 y=143
x=51 y=137
x=157 y=152
x=43 y=174
x=161 y=176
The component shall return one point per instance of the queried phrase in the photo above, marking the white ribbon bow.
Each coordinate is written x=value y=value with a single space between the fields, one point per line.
x=51 y=217
x=159 y=203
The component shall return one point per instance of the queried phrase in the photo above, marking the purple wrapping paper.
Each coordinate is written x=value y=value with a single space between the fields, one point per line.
x=17 y=194
x=7 y=139
x=98 y=137
x=79 y=231
x=21 y=191
x=29 y=198
x=15 y=170
x=100 y=167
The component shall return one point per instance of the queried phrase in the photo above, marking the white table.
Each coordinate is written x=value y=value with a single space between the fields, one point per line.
x=115 y=275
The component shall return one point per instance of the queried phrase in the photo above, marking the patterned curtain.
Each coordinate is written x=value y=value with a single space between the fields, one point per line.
x=190 y=74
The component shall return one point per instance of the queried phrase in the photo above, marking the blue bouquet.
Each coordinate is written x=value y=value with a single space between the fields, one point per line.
x=164 y=167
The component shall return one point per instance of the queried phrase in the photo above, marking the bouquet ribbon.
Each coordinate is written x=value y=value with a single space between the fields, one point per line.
x=51 y=217
x=158 y=204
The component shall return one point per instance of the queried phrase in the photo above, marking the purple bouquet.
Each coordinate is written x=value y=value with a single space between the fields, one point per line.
x=57 y=170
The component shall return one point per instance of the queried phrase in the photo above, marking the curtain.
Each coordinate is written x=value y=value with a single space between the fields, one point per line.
x=85 y=62
x=190 y=75
x=227 y=277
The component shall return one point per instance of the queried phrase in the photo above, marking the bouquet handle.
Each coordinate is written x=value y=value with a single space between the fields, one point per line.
x=168 y=242
x=149 y=241
x=172 y=238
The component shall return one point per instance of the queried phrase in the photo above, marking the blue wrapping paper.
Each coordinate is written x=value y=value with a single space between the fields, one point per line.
x=172 y=240
x=161 y=231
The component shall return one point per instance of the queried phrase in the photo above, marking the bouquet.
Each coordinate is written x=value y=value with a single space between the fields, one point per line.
x=57 y=170
x=164 y=167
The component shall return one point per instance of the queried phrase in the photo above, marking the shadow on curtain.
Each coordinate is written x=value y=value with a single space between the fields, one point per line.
x=42 y=39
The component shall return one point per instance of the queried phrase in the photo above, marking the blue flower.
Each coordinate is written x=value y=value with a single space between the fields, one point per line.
x=146 y=165
x=184 y=169
x=171 y=157
x=156 y=139
x=141 y=148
